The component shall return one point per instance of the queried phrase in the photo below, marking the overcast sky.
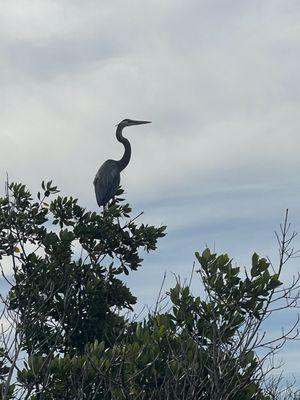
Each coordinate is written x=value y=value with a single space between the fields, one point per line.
x=219 y=79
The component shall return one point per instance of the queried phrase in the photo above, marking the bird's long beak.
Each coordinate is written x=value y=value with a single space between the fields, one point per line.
x=140 y=122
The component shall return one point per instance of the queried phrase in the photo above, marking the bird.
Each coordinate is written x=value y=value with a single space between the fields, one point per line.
x=107 y=179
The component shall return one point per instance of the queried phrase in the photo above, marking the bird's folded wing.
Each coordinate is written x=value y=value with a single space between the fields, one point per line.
x=107 y=181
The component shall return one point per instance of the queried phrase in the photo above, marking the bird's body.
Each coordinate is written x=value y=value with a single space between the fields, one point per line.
x=107 y=179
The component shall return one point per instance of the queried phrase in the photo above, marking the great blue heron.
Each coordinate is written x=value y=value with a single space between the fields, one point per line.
x=107 y=179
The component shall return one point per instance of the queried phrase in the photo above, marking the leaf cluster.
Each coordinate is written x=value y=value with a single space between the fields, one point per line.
x=66 y=262
x=69 y=301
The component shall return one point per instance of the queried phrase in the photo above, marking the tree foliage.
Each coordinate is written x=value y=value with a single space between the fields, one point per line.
x=68 y=336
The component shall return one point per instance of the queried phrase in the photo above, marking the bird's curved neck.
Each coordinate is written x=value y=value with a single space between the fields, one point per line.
x=123 y=162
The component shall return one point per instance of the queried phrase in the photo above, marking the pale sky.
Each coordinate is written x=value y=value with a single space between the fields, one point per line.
x=219 y=79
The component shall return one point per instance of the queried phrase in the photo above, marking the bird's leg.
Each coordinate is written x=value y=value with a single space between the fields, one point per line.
x=105 y=208
x=113 y=199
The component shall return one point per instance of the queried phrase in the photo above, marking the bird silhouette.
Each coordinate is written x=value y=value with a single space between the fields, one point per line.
x=107 y=179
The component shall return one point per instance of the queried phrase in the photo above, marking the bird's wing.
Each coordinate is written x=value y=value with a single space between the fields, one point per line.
x=106 y=182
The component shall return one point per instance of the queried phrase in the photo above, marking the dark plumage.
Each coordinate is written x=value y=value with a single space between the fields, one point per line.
x=107 y=179
x=106 y=182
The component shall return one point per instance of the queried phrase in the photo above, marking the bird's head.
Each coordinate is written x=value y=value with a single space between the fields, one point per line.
x=130 y=122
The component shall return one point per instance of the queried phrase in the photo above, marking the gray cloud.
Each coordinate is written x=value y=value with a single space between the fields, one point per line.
x=219 y=80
